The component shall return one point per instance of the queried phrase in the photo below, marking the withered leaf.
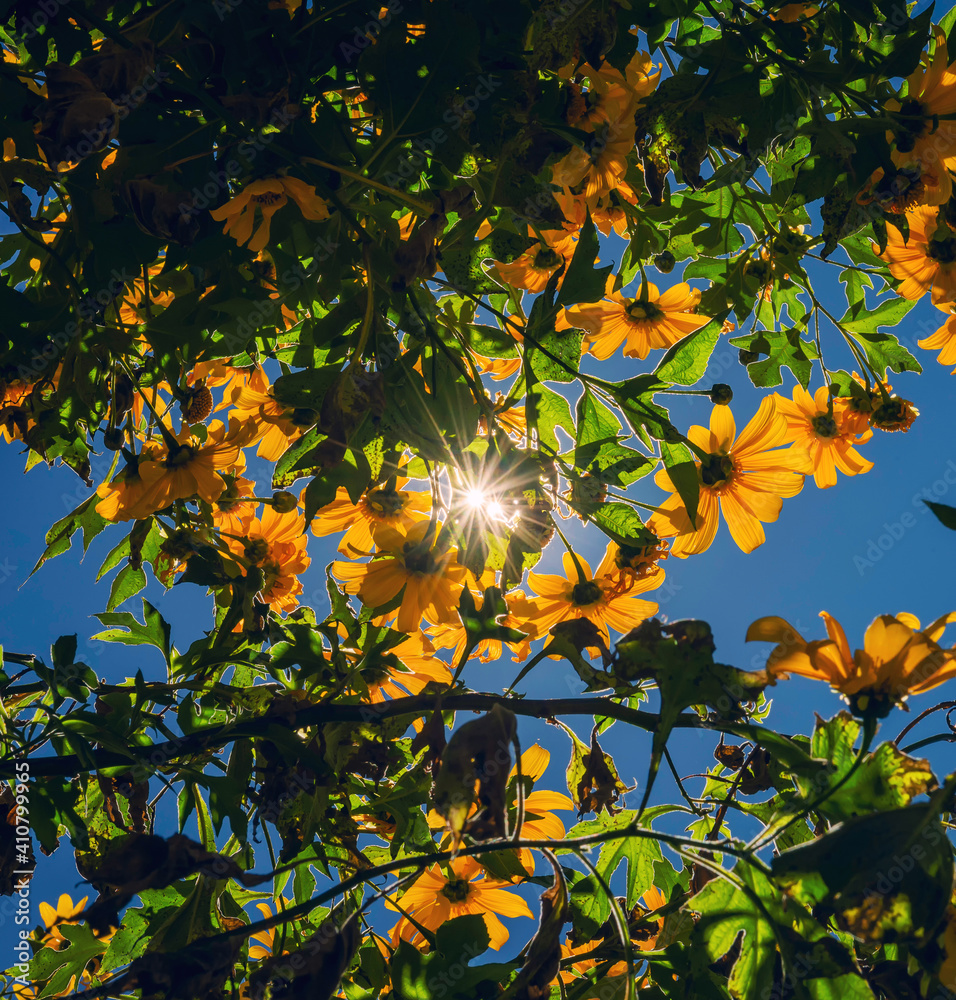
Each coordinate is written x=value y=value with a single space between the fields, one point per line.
x=477 y=752
x=313 y=971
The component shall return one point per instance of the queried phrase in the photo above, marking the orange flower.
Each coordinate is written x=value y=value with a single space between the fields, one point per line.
x=648 y=321
x=268 y=195
x=162 y=475
x=826 y=439
x=925 y=136
x=380 y=509
x=276 y=426
x=134 y=305
x=740 y=476
x=437 y=897
x=265 y=940
x=533 y=269
x=600 y=597
x=540 y=823
x=232 y=513
x=652 y=900
x=428 y=578
x=923 y=261
x=877 y=408
x=276 y=544
x=599 y=168
x=944 y=339
x=897 y=660
x=792 y=12
x=418 y=667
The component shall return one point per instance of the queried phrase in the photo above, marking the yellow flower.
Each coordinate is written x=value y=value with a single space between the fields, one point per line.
x=741 y=476
x=268 y=195
x=927 y=136
x=66 y=912
x=437 y=897
x=381 y=508
x=601 y=597
x=898 y=658
x=540 y=823
x=944 y=339
x=652 y=900
x=277 y=426
x=265 y=940
x=643 y=323
x=922 y=261
x=826 y=439
x=429 y=578
x=276 y=544
x=417 y=656
x=533 y=269
x=189 y=469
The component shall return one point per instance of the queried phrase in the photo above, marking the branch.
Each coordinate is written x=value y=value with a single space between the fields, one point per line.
x=158 y=754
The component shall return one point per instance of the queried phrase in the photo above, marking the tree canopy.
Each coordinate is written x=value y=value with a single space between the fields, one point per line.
x=398 y=253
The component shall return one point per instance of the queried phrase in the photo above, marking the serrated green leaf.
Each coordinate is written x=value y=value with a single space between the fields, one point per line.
x=682 y=469
x=582 y=282
x=686 y=361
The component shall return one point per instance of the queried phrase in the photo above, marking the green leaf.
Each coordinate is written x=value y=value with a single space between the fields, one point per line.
x=682 y=469
x=306 y=389
x=595 y=423
x=563 y=358
x=547 y=410
x=462 y=265
x=127 y=583
x=58 y=538
x=153 y=630
x=726 y=913
x=491 y=342
x=686 y=361
x=621 y=523
x=883 y=351
x=859 y=319
x=786 y=349
x=886 y=779
x=55 y=968
x=583 y=283
x=945 y=513
x=844 y=868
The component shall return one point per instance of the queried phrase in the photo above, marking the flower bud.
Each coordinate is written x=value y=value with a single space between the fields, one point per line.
x=284 y=502
x=665 y=261
x=721 y=394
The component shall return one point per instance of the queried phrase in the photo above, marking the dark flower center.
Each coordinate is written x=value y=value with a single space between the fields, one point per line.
x=180 y=457
x=824 y=426
x=716 y=470
x=256 y=549
x=546 y=258
x=943 y=251
x=385 y=502
x=637 y=310
x=457 y=890
x=585 y=593
x=418 y=559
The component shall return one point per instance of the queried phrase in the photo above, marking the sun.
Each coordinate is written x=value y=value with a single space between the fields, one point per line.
x=480 y=501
